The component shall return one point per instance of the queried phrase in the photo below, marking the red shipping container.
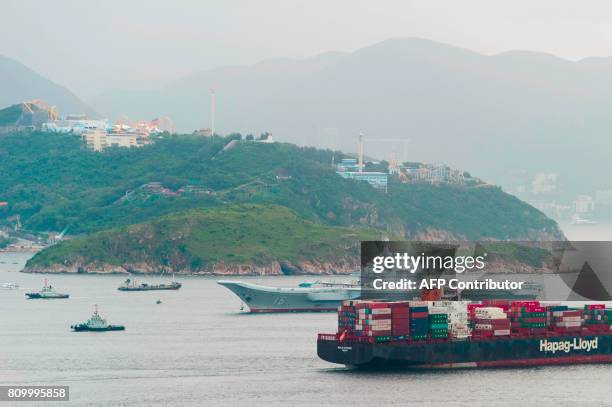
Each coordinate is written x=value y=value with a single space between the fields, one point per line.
x=528 y=331
x=598 y=327
x=493 y=322
x=400 y=311
x=535 y=309
x=519 y=304
x=496 y=302
x=399 y=305
x=482 y=333
x=400 y=328
x=533 y=320
x=567 y=329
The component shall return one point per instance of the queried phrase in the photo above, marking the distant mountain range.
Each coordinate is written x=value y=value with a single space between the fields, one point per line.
x=506 y=116
x=20 y=84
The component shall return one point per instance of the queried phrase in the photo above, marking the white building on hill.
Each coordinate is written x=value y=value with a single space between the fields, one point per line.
x=98 y=140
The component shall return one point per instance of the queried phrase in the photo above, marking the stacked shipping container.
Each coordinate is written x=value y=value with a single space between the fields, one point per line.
x=596 y=319
x=378 y=321
x=419 y=320
x=400 y=320
x=563 y=320
x=438 y=322
x=528 y=317
x=491 y=321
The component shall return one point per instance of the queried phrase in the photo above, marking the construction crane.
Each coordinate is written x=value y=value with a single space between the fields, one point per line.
x=360 y=152
x=213 y=108
x=27 y=107
x=17 y=220
x=58 y=238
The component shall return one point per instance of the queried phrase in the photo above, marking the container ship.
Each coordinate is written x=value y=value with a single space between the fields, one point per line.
x=454 y=334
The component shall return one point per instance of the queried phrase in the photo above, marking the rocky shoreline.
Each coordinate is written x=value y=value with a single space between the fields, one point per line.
x=276 y=268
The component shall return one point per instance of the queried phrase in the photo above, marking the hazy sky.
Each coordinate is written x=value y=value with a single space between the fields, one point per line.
x=93 y=46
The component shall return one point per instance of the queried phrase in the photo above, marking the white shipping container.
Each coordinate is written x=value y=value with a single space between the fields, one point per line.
x=375 y=322
x=569 y=324
x=570 y=319
x=501 y=332
x=489 y=310
x=562 y=313
x=491 y=315
x=381 y=328
x=373 y=329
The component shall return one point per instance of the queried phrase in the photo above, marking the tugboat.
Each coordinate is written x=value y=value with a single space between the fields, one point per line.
x=129 y=285
x=47 y=293
x=96 y=324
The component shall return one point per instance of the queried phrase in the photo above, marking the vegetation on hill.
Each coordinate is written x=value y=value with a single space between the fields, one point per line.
x=196 y=240
x=9 y=115
x=53 y=181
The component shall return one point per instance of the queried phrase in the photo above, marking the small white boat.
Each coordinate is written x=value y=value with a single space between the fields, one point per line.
x=9 y=286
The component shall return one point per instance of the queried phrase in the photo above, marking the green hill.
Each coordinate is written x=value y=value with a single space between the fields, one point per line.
x=52 y=181
x=258 y=238
x=9 y=115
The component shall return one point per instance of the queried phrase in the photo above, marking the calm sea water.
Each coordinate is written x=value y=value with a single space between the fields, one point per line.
x=198 y=349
